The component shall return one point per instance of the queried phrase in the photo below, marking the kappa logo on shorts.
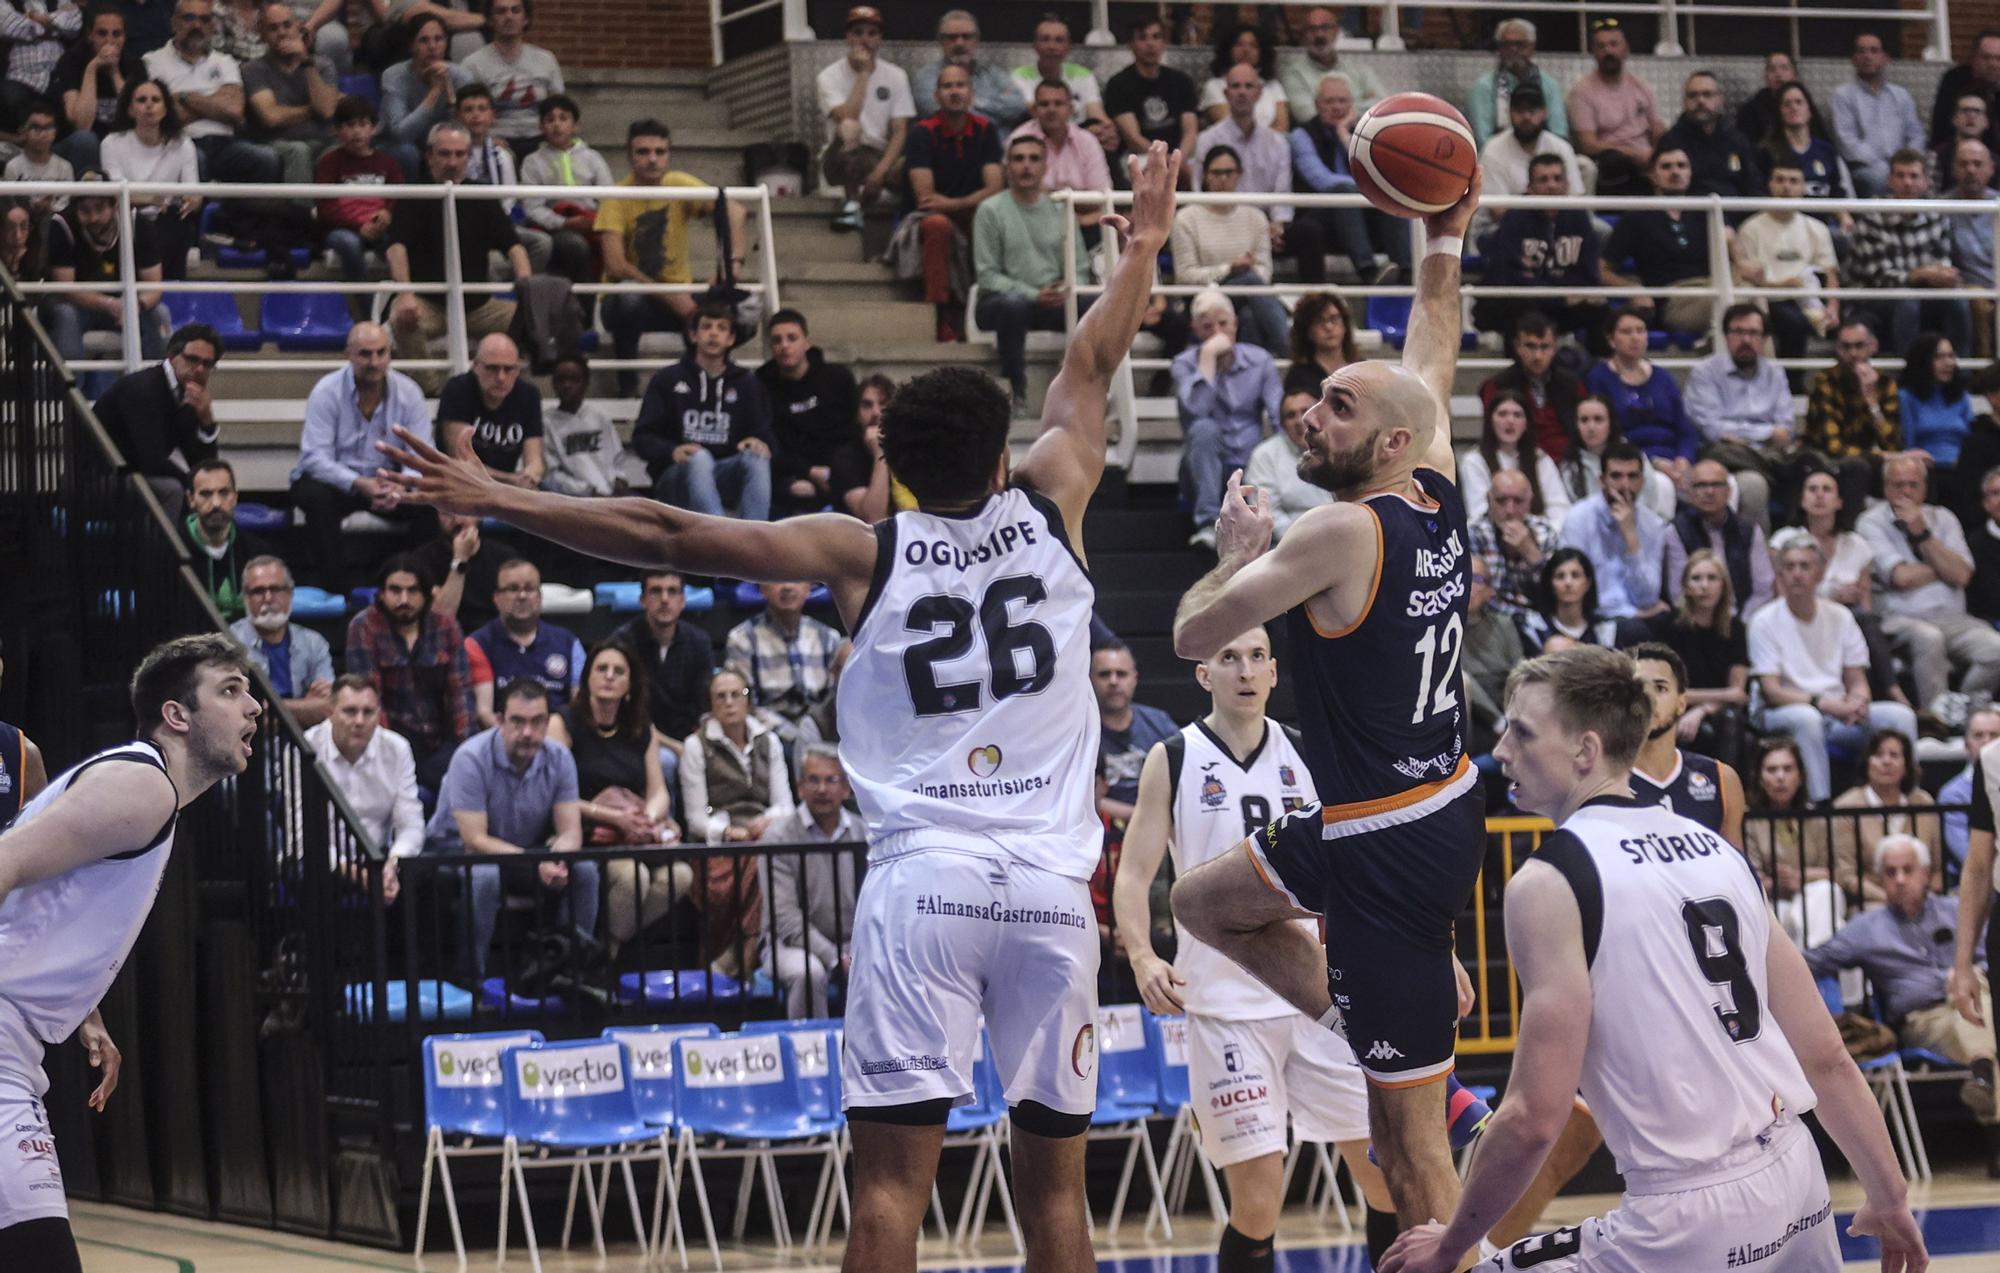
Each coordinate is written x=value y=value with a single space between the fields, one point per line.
x=1381 y=1050
x=1083 y=1052
x=984 y=762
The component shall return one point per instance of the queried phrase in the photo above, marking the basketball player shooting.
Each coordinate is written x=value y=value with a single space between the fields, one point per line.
x=1375 y=586
x=970 y=734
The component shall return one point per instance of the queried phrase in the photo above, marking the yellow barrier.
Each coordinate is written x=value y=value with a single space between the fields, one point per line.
x=1483 y=1040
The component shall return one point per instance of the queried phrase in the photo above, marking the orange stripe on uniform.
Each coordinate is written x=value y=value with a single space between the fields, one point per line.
x=1401 y=800
x=1256 y=865
x=1401 y=1084
x=1374 y=584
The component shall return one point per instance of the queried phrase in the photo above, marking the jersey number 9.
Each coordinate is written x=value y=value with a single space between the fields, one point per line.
x=1020 y=657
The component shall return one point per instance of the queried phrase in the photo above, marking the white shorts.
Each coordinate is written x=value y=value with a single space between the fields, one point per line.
x=1245 y=1076
x=1767 y=1208
x=31 y=1183
x=944 y=935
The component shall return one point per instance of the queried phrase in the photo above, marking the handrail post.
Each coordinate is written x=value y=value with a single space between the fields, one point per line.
x=128 y=273
x=768 y=249
x=1391 y=39
x=1099 y=35
x=715 y=30
x=1069 y=269
x=1996 y=308
x=1721 y=277
x=1939 y=49
x=1669 y=43
x=796 y=26
x=454 y=281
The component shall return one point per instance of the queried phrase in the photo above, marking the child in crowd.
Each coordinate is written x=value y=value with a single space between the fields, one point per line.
x=37 y=160
x=356 y=223
x=585 y=456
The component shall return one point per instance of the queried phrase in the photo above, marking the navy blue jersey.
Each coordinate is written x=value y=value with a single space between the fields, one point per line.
x=1693 y=790
x=1381 y=702
x=12 y=766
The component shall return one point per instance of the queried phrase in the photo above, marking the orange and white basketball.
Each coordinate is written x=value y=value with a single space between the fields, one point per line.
x=1413 y=154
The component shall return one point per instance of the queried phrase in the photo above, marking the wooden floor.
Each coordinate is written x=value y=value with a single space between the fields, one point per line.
x=1961 y=1217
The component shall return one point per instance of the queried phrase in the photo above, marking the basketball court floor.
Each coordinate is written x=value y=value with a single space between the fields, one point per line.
x=1960 y=1213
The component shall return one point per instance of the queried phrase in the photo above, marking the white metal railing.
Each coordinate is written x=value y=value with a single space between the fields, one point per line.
x=1722 y=290
x=457 y=353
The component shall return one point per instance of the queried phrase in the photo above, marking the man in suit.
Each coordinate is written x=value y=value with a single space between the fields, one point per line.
x=163 y=410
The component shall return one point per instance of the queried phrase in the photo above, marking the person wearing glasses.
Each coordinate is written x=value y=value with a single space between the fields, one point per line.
x=217 y=547
x=296 y=660
x=159 y=412
x=994 y=94
x=1705 y=520
x=503 y=411
x=516 y=645
x=207 y=89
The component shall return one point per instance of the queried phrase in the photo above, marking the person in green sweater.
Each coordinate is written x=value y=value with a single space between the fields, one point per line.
x=1017 y=254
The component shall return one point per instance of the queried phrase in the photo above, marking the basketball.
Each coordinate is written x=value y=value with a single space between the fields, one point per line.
x=1413 y=154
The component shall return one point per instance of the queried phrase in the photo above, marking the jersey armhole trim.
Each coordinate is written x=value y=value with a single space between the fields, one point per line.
x=1374 y=587
x=156 y=761
x=1053 y=515
x=1566 y=853
x=885 y=560
x=1176 y=748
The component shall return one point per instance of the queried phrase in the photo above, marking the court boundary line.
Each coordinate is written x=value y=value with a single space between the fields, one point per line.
x=218 y=1231
x=183 y=1265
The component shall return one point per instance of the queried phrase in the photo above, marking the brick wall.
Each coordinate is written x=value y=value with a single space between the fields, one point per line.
x=625 y=33
x=1968 y=18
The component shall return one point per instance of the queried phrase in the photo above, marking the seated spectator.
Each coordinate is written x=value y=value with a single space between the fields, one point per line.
x=1721 y=160
x=1508 y=154
x=1322 y=341
x=955 y=165
x=885 y=494
x=1543 y=248
x=1511 y=540
x=490 y=160
x=420 y=93
x=1795 y=135
x=1811 y=665
x=1243 y=45
x=88 y=81
x=1937 y=411
x=415 y=658
x=502 y=410
x=147 y=144
x=677 y=659
x=991 y=91
x=339 y=470
x=37 y=160
x=325 y=29
x=1616 y=120
x=1909 y=250
x=23 y=250
x=1982 y=727
x=1667 y=249
x=1971 y=121
x=817 y=458
x=564 y=159
x=464 y=21
x=1706 y=521
x=1972 y=236
x=1075 y=159
x=584 y=452
x=1486 y=109
x=468 y=562
x=1978 y=74
x=239 y=30
x=1924 y=564
x=289 y=103
x=1898 y=947
x=1052 y=65
x=1786 y=248
x=83 y=248
x=1626 y=539
x=1301 y=75
x=1758 y=115
x=1874 y=118
x=788 y=659
x=1849 y=576
x=1127 y=730
x=868 y=107
x=1551 y=392
x=1150 y=101
x=1742 y=407
x=516 y=645
x=1017 y=254
x=1853 y=411
x=219 y=549
x=417 y=252
x=646 y=241
x=734 y=788
x=1980 y=452
x=1229 y=395
x=512 y=790
x=1321 y=164
x=1265 y=158
x=1888 y=783
x=1645 y=400
x=296 y=660
x=1791 y=850
x=812 y=894
x=36 y=32
x=704 y=426
x=1592 y=433
x=1982 y=595
x=1230 y=244
x=207 y=88
x=521 y=75
x=1273 y=467
x=1566 y=610
x=372 y=767
x=164 y=410
x=355 y=224
x=1713 y=645
x=1506 y=443
x=1492 y=650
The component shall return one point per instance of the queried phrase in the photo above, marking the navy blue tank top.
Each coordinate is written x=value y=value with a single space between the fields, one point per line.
x=1694 y=791
x=1381 y=702
x=12 y=755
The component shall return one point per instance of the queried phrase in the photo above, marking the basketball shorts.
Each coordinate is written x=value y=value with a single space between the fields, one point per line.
x=31 y=1183
x=942 y=936
x=1764 y=1207
x=1247 y=1076
x=1389 y=894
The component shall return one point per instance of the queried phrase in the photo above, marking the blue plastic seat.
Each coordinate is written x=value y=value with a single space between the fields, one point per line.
x=362 y=85
x=1170 y=1065
x=622 y=596
x=678 y=985
x=218 y=310
x=652 y=1050
x=262 y=519
x=362 y=598
x=747 y=597
x=816 y=1043
x=463 y=1097
x=317 y=603
x=435 y=999
x=300 y=321
x=1389 y=315
x=235 y=258
x=493 y=993
x=746 y=1087
x=989 y=1100
x=1128 y=1077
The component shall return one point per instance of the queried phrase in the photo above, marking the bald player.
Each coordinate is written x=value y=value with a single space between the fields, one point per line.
x=1374 y=588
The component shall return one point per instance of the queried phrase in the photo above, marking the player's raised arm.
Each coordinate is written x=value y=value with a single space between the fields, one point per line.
x=1068 y=458
x=830 y=548
x=1437 y=318
x=111 y=808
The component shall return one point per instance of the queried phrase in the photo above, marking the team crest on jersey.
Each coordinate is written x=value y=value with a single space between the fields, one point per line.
x=984 y=762
x=1212 y=793
x=557 y=667
x=1700 y=786
x=1286 y=777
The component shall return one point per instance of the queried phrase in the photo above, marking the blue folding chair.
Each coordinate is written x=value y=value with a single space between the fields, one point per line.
x=362 y=85
x=817 y=1041
x=306 y=320
x=1167 y=1042
x=1891 y=1084
x=1128 y=1094
x=463 y=1098
x=684 y=987
x=573 y=1104
x=982 y=1128
x=652 y=1051
x=218 y=310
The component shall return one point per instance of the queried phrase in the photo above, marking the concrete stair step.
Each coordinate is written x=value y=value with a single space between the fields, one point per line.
x=868 y=324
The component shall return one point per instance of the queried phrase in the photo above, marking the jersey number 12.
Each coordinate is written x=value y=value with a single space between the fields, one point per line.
x=1020 y=657
x=1434 y=697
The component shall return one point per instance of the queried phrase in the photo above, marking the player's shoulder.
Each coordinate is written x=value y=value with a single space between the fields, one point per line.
x=1568 y=859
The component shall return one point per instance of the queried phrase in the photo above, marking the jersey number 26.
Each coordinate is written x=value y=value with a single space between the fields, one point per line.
x=1020 y=657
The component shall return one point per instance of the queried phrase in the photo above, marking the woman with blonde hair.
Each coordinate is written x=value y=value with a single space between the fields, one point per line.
x=1713 y=642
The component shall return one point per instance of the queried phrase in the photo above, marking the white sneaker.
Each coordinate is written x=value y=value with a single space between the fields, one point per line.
x=1203 y=538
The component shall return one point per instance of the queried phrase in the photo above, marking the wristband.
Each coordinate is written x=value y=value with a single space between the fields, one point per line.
x=1445 y=245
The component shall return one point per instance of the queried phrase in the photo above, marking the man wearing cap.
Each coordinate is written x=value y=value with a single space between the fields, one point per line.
x=1614 y=118
x=1506 y=155
x=868 y=108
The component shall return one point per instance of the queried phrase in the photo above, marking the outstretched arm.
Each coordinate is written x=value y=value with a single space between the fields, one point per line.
x=1437 y=319
x=1067 y=460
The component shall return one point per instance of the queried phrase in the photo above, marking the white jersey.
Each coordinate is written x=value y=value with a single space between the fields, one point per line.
x=1685 y=1061
x=1218 y=802
x=966 y=711
x=63 y=939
